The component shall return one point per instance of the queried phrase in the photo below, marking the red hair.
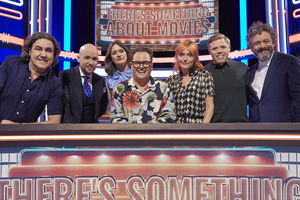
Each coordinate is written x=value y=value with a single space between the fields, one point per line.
x=192 y=47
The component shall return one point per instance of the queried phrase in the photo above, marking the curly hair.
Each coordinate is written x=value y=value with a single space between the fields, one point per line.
x=30 y=40
x=192 y=47
x=110 y=67
x=257 y=28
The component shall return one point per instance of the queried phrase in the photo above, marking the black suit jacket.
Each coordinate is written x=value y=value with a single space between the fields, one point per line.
x=73 y=95
x=280 y=98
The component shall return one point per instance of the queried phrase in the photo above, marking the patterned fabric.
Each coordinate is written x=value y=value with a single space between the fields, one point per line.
x=190 y=99
x=154 y=105
x=118 y=77
x=87 y=89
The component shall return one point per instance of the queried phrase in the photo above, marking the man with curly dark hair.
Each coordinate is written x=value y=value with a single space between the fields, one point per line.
x=273 y=84
x=28 y=84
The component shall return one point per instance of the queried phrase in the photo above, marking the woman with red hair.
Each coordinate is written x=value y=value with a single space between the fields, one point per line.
x=192 y=87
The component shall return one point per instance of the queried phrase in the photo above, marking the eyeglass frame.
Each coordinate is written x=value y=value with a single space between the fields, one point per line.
x=141 y=63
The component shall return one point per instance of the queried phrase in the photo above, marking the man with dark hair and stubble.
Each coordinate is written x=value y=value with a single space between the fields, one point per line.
x=273 y=84
x=28 y=84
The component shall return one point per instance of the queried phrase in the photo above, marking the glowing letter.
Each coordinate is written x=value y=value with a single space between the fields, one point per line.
x=271 y=191
x=240 y=190
x=292 y=189
x=81 y=187
x=17 y=189
x=41 y=188
x=162 y=29
x=185 y=191
x=156 y=188
x=202 y=188
x=106 y=184
x=218 y=187
x=135 y=183
x=63 y=189
x=3 y=189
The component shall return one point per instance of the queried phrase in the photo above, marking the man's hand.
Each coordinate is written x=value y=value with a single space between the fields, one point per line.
x=5 y=121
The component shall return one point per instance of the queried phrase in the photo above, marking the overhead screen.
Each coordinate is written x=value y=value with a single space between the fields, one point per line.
x=160 y=24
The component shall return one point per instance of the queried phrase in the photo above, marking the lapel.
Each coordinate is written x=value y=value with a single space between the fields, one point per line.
x=76 y=85
x=273 y=67
x=251 y=75
x=96 y=93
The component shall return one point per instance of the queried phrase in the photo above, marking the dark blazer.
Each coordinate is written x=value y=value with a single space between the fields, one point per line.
x=280 y=98
x=73 y=95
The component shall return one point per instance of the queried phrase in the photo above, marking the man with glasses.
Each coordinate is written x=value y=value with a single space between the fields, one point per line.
x=142 y=99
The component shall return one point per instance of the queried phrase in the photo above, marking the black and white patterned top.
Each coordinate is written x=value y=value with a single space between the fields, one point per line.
x=190 y=99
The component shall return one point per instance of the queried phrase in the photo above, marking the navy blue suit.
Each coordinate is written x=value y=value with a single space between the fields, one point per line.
x=280 y=98
x=73 y=95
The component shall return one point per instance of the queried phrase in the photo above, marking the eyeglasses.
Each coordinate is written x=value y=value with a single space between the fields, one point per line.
x=137 y=64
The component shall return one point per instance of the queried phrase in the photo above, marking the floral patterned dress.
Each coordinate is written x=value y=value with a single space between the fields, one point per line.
x=154 y=105
x=190 y=99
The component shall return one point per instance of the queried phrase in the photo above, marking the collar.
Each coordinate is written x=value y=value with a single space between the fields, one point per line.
x=82 y=74
x=41 y=76
x=151 y=82
x=217 y=66
x=191 y=72
x=127 y=71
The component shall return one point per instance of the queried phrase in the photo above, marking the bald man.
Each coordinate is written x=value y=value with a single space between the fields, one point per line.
x=85 y=96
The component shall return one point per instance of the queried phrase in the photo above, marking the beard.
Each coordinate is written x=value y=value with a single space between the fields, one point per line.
x=264 y=56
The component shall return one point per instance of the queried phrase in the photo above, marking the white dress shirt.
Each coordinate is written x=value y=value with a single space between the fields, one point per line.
x=89 y=79
x=260 y=76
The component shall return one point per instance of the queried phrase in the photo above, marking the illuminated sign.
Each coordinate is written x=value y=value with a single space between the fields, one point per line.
x=296 y=1
x=149 y=174
x=158 y=23
x=16 y=3
x=296 y=13
x=12 y=15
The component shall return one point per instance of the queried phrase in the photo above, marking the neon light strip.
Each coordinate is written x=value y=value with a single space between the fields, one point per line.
x=48 y=16
x=67 y=30
x=276 y=17
x=11 y=39
x=13 y=2
x=294 y=38
x=34 y=14
x=269 y=12
x=296 y=1
x=40 y=16
x=151 y=137
x=44 y=149
x=12 y=11
x=295 y=13
x=243 y=26
x=282 y=28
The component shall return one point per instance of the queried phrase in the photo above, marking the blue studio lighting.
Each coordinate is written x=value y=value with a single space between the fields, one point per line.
x=67 y=31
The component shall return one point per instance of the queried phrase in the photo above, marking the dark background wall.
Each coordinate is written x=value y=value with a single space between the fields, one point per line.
x=83 y=23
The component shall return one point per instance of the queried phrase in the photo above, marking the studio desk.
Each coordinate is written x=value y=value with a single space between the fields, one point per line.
x=154 y=135
x=150 y=161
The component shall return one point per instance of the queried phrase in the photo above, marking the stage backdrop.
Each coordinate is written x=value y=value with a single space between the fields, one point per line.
x=160 y=24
